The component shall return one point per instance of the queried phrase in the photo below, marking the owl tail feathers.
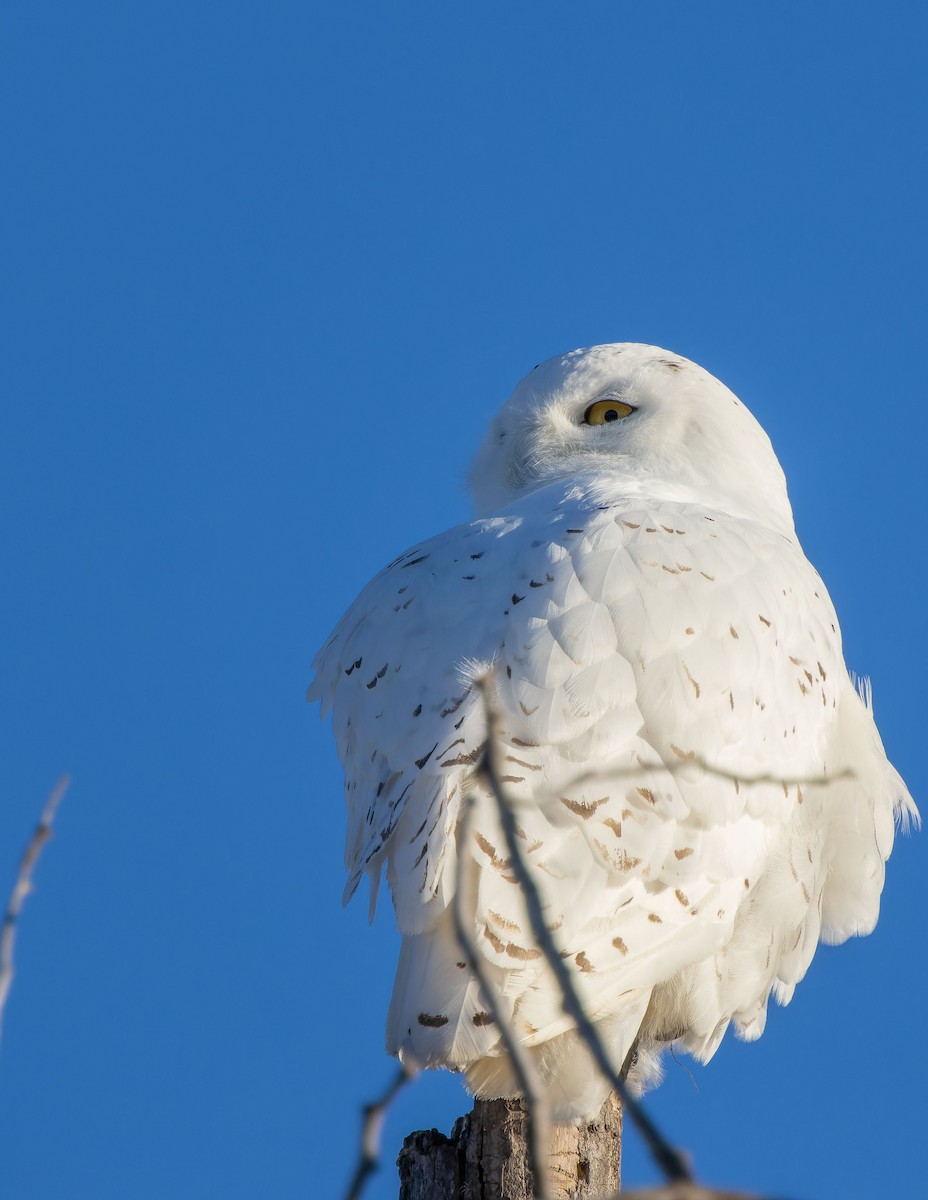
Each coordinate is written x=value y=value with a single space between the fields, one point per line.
x=574 y=1086
x=437 y=1015
x=438 y=1018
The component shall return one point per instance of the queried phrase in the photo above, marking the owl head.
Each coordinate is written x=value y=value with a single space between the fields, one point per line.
x=626 y=418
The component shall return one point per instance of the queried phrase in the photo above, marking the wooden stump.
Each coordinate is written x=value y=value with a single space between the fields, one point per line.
x=486 y=1157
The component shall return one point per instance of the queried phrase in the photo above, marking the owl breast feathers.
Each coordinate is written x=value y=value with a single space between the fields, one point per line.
x=700 y=790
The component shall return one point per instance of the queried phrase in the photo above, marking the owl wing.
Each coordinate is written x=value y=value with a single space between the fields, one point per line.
x=396 y=673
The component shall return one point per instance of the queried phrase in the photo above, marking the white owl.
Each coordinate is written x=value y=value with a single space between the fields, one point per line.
x=701 y=790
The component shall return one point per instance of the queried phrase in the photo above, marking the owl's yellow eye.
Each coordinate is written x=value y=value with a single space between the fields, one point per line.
x=604 y=411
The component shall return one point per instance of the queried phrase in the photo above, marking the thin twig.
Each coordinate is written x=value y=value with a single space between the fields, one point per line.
x=537 y=1111
x=669 y=1159
x=786 y=781
x=374 y=1115
x=22 y=887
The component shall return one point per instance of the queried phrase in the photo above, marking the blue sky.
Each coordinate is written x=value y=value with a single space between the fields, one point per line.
x=266 y=272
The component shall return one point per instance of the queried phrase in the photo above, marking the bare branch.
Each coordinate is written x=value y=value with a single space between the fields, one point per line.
x=786 y=781
x=670 y=1160
x=22 y=887
x=374 y=1115
x=538 y=1116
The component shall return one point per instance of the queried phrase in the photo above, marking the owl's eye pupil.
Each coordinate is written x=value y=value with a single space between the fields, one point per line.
x=604 y=412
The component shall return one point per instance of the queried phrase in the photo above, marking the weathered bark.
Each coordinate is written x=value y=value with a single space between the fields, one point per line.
x=486 y=1157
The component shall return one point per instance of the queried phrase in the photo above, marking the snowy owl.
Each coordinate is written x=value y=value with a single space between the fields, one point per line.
x=700 y=789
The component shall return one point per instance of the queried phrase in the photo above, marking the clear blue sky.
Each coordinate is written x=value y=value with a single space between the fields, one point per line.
x=266 y=271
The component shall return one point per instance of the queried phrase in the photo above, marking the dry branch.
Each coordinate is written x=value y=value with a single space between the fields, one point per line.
x=22 y=887
x=373 y=1116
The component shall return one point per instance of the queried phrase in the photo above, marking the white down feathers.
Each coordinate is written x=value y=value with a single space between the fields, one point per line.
x=702 y=793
